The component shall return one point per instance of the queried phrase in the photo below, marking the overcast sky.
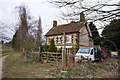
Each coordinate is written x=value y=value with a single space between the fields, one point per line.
x=37 y=8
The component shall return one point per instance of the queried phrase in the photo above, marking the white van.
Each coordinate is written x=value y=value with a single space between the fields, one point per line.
x=86 y=53
x=91 y=53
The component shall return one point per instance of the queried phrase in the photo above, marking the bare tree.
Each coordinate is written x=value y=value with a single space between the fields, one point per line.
x=22 y=33
x=101 y=10
x=39 y=34
x=29 y=34
x=93 y=11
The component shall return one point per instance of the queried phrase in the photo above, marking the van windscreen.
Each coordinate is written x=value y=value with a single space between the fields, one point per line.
x=84 y=50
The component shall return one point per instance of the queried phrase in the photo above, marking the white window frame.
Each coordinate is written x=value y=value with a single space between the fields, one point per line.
x=68 y=39
x=59 y=39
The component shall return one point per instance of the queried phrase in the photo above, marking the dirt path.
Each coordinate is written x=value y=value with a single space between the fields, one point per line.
x=1 y=61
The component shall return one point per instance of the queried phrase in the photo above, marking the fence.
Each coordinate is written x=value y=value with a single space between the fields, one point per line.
x=63 y=58
x=51 y=57
x=44 y=56
x=33 y=56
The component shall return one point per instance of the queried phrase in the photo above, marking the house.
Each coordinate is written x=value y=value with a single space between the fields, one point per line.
x=72 y=35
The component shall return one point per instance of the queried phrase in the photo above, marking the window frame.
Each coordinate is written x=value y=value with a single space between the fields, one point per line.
x=59 y=39
x=68 y=39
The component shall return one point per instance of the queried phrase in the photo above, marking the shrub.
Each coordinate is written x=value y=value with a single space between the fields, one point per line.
x=52 y=47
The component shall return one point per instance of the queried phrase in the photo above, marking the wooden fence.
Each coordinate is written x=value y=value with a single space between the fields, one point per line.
x=51 y=57
x=44 y=56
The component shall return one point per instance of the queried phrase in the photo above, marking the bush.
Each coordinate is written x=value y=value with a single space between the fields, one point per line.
x=45 y=48
x=52 y=47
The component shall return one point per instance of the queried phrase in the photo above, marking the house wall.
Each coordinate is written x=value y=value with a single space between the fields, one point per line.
x=73 y=42
x=60 y=45
x=83 y=37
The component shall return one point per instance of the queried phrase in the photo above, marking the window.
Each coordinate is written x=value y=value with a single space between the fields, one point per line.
x=68 y=39
x=59 y=39
x=84 y=50
x=91 y=52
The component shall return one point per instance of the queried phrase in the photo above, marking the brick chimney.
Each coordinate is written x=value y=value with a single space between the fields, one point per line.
x=54 y=23
x=82 y=16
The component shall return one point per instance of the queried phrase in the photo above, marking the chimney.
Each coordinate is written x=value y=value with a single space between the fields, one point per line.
x=54 y=23
x=82 y=16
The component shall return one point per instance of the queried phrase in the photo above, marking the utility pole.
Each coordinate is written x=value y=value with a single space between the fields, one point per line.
x=63 y=53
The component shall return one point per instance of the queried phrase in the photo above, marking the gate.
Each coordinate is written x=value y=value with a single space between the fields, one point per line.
x=51 y=57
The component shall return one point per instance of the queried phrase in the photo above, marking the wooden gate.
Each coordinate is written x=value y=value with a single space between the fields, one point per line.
x=51 y=57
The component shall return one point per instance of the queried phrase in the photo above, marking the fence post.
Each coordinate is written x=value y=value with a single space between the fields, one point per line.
x=40 y=55
x=47 y=57
x=81 y=59
x=31 y=54
x=23 y=52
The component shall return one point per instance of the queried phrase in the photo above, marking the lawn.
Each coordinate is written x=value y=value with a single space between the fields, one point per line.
x=15 y=66
x=6 y=52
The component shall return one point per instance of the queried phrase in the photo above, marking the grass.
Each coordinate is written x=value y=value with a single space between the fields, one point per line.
x=0 y=56
x=15 y=66
x=6 y=52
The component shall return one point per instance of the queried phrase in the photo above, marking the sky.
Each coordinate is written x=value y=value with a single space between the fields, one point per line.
x=37 y=8
x=48 y=12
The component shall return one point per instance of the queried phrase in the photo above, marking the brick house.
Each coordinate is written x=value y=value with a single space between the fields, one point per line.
x=72 y=35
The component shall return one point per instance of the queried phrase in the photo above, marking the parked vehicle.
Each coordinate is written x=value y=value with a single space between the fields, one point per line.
x=91 y=54
x=98 y=54
x=114 y=54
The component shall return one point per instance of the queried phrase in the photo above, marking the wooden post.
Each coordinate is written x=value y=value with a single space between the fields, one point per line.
x=40 y=55
x=63 y=53
x=31 y=54
x=47 y=56
x=56 y=57
x=39 y=49
x=23 y=52
x=81 y=59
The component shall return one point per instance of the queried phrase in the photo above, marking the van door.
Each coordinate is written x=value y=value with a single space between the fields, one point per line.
x=92 y=55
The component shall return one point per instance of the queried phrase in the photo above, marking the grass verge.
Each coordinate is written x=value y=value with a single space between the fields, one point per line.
x=15 y=66
x=6 y=52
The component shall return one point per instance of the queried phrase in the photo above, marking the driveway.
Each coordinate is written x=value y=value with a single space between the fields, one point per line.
x=1 y=61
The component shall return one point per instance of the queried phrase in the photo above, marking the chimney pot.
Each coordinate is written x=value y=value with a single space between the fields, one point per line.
x=54 y=23
x=82 y=16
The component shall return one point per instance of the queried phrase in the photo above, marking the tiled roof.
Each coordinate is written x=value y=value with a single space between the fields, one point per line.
x=67 y=28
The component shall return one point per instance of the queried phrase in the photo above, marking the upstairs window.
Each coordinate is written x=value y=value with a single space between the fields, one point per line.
x=59 y=39
x=68 y=39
